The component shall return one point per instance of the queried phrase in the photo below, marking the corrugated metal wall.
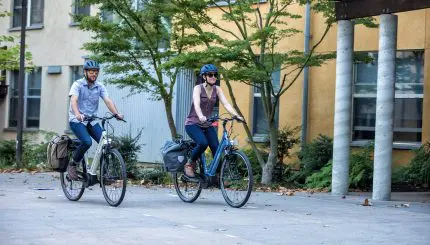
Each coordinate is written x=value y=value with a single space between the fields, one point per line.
x=142 y=112
x=185 y=82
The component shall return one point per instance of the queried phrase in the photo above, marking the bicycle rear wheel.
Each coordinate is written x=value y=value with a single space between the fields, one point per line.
x=73 y=189
x=188 y=191
x=113 y=177
x=236 y=179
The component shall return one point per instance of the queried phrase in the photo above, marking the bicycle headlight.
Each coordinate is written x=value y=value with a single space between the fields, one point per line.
x=234 y=142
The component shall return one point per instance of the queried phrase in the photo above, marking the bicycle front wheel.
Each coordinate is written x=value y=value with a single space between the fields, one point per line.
x=113 y=177
x=236 y=179
x=73 y=189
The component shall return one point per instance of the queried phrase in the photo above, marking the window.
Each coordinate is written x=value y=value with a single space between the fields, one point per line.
x=32 y=91
x=408 y=104
x=34 y=13
x=78 y=9
x=260 y=125
x=77 y=73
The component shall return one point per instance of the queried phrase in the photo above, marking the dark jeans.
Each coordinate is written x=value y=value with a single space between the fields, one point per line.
x=203 y=137
x=84 y=134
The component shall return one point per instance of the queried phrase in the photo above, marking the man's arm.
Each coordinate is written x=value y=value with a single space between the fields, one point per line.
x=111 y=106
x=74 y=103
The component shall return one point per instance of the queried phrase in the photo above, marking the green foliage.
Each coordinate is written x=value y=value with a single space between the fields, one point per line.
x=360 y=173
x=129 y=148
x=9 y=57
x=7 y=153
x=34 y=152
x=154 y=175
x=361 y=168
x=417 y=172
x=314 y=155
x=133 y=43
x=322 y=178
x=287 y=139
x=256 y=167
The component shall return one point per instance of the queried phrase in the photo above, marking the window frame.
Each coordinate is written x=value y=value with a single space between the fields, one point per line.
x=396 y=144
x=75 y=9
x=26 y=97
x=28 y=25
x=263 y=137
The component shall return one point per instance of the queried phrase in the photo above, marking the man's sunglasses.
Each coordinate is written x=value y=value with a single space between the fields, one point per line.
x=212 y=75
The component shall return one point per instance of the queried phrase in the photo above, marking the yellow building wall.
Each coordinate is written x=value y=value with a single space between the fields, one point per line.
x=413 y=33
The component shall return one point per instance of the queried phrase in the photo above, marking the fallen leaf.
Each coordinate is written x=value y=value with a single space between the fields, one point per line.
x=403 y=205
x=33 y=172
x=366 y=202
x=41 y=197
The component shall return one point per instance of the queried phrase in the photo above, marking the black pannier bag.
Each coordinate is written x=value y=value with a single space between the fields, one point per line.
x=174 y=156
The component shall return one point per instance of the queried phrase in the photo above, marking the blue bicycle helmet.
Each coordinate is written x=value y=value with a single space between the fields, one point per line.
x=208 y=68
x=91 y=65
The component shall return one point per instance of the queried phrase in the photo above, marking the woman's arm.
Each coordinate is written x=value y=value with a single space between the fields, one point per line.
x=196 y=101
x=225 y=103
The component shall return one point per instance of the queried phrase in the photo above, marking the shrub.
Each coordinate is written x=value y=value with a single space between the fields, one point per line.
x=322 y=178
x=314 y=155
x=417 y=172
x=129 y=148
x=154 y=175
x=361 y=168
x=287 y=139
x=34 y=153
x=7 y=153
x=256 y=168
x=360 y=172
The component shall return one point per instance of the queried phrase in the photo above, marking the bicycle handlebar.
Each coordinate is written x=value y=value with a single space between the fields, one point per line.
x=225 y=119
x=89 y=118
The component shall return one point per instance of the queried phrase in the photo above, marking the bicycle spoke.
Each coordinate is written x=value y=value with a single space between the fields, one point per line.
x=236 y=179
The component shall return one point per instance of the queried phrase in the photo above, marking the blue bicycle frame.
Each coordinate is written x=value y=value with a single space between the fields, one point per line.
x=225 y=144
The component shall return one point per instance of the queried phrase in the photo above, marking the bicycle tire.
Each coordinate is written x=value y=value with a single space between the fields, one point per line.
x=227 y=177
x=180 y=181
x=108 y=179
x=73 y=194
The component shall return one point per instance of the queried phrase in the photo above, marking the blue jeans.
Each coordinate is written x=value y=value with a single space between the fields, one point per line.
x=203 y=137
x=84 y=133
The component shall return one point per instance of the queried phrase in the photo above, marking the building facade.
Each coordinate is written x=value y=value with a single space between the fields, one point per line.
x=56 y=46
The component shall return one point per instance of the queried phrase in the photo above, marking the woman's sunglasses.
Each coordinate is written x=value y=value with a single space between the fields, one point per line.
x=212 y=75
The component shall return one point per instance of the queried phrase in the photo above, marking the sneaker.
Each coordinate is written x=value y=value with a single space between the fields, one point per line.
x=72 y=172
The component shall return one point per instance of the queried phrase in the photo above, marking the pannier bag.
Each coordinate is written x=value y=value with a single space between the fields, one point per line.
x=174 y=156
x=57 y=153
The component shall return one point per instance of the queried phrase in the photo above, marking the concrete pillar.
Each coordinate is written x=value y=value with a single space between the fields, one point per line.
x=343 y=102
x=385 y=107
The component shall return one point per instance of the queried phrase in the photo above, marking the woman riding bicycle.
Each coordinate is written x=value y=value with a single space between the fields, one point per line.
x=202 y=132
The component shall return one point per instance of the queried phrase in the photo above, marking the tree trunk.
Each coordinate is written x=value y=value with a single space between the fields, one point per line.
x=245 y=126
x=168 y=105
x=266 y=178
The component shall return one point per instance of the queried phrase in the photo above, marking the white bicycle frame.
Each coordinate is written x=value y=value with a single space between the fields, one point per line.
x=95 y=164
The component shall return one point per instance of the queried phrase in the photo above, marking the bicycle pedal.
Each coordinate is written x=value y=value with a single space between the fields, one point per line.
x=191 y=179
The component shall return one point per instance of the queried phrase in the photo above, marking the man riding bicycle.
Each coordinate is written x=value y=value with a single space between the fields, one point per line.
x=84 y=100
